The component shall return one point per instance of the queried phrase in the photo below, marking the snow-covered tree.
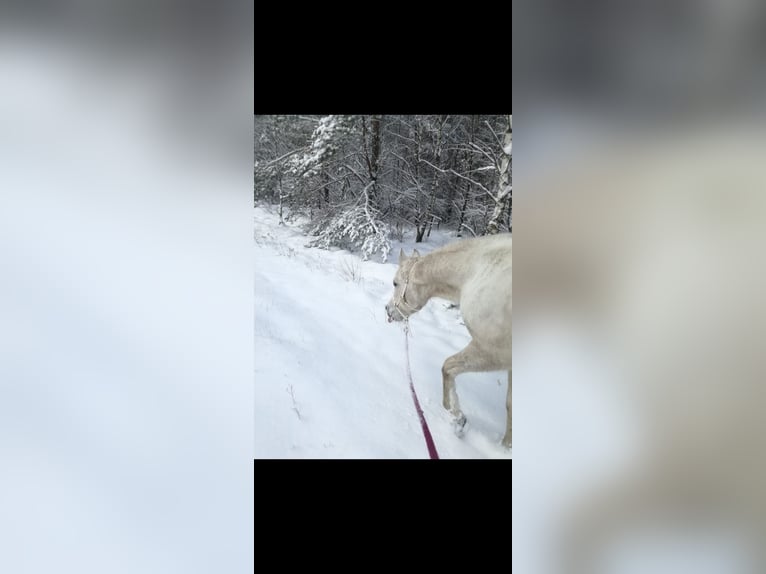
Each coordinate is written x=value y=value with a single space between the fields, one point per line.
x=326 y=140
x=359 y=179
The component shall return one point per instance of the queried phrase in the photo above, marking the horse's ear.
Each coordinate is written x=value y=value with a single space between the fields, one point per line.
x=415 y=253
x=402 y=256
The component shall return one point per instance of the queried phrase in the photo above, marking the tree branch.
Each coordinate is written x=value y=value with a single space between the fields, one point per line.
x=468 y=228
x=452 y=171
x=288 y=154
x=484 y=152
x=352 y=170
x=497 y=139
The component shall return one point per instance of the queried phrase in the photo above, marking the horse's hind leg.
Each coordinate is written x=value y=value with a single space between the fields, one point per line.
x=507 y=437
x=471 y=359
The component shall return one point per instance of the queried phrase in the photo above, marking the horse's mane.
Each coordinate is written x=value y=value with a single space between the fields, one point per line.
x=471 y=241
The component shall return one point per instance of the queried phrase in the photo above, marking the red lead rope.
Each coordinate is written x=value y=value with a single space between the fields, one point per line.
x=423 y=424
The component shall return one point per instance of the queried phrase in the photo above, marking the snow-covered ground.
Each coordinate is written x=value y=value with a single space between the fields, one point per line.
x=330 y=379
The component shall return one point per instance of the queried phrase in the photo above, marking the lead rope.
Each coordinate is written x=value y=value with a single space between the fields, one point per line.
x=423 y=424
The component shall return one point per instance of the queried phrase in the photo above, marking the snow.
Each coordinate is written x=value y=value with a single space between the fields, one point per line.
x=330 y=378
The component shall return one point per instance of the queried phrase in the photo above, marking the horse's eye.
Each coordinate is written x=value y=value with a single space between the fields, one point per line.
x=396 y=284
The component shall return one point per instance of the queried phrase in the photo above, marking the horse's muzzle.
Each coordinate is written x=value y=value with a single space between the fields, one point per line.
x=390 y=311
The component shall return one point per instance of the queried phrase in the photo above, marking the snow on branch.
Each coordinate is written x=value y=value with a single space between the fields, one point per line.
x=460 y=175
x=355 y=228
x=325 y=142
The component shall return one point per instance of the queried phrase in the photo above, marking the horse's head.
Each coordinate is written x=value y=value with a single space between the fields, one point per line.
x=409 y=296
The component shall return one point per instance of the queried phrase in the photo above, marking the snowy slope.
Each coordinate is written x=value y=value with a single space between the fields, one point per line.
x=330 y=371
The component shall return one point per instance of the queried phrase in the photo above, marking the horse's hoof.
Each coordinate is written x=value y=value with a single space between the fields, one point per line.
x=458 y=425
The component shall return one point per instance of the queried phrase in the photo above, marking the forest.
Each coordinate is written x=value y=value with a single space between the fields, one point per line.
x=361 y=181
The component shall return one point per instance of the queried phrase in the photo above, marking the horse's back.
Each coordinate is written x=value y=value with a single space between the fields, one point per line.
x=493 y=262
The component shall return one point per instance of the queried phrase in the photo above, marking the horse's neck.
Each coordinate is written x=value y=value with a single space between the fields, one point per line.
x=444 y=273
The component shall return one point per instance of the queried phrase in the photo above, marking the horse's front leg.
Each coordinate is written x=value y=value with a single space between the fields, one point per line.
x=470 y=359
x=450 y=400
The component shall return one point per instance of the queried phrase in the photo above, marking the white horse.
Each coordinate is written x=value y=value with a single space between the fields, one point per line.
x=475 y=274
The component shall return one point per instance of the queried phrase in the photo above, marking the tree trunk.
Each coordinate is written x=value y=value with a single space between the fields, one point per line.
x=373 y=158
x=467 y=194
x=462 y=211
x=503 y=191
x=430 y=226
x=438 y=143
x=375 y=147
x=421 y=229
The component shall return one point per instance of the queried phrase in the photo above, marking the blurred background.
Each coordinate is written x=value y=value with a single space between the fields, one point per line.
x=126 y=286
x=640 y=208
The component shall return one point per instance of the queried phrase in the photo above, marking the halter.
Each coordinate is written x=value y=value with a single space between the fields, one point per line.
x=401 y=300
